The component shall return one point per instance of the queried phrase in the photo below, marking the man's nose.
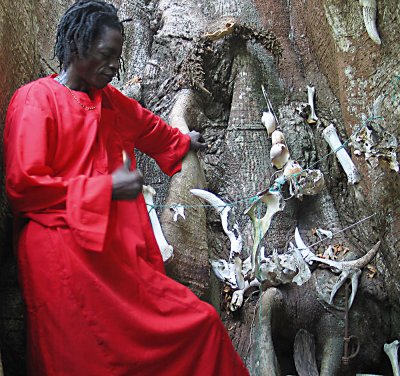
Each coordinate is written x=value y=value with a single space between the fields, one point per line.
x=114 y=63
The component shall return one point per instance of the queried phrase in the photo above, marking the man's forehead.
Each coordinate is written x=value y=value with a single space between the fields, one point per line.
x=108 y=37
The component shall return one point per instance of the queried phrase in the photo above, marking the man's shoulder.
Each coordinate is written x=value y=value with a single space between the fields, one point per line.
x=112 y=91
x=118 y=98
x=34 y=90
x=39 y=83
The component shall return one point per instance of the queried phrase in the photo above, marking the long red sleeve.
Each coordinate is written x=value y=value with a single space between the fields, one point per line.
x=151 y=134
x=57 y=168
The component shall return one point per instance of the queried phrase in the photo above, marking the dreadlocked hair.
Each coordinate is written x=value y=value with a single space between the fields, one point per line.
x=79 y=25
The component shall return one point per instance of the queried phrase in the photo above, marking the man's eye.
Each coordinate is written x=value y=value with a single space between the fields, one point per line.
x=107 y=55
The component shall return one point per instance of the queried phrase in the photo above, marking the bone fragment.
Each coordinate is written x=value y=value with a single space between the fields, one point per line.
x=269 y=105
x=238 y=295
x=274 y=203
x=329 y=253
x=312 y=118
x=269 y=122
x=292 y=169
x=324 y=233
x=346 y=269
x=166 y=249
x=278 y=137
x=225 y=272
x=279 y=155
x=224 y=211
x=331 y=137
x=288 y=267
x=304 y=272
x=391 y=351
x=179 y=210
x=369 y=16
x=292 y=172
x=238 y=272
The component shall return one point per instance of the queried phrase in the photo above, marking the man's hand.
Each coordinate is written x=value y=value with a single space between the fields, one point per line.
x=126 y=185
x=196 y=141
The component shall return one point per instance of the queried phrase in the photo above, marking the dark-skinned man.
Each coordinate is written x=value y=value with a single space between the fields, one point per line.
x=98 y=300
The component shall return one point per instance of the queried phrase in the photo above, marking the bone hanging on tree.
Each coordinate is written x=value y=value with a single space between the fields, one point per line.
x=166 y=249
x=268 y=117
x=347 y=269
x=312 y=117
x=332 y=138
x=276 y=269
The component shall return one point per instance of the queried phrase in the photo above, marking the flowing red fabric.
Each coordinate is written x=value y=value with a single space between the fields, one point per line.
x=98 y=300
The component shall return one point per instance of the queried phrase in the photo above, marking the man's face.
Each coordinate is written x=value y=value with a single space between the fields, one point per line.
x=101 y=62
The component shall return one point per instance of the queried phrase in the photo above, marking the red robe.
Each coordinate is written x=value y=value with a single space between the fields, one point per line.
x=98 y=300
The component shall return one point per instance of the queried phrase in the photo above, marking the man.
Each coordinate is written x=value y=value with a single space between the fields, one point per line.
x=98 y=300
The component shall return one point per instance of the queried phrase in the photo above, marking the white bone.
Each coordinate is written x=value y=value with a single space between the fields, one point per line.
x=305 y=251
x=312 y=118
x=224 y=272
x=292 y=168
x=391 y=351
x=268 y=119
x=277 y=269
x=291 y=173
x=369 y=16
x=224 y=210
x=167 y=251
x=246 y=267
x=329 y=252
x=331 y=137
x=277 y=137
x=274 y=203
x=324 y=233
x=346 y=269
x=269 y=105
x=238 y=272
x=238 y=295
x=179 y=210
x=279 y=155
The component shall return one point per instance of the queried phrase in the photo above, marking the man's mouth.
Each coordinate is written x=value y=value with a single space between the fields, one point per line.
x=109 y=76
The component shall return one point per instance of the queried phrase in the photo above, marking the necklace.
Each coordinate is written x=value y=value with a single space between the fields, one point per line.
x=89 y=108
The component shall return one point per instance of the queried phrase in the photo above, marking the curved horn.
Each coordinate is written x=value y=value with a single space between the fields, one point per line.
x=362 y=261
x=369 y=15
x=223 y=209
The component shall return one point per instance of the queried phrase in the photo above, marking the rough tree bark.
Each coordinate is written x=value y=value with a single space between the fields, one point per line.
x=324 y=43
